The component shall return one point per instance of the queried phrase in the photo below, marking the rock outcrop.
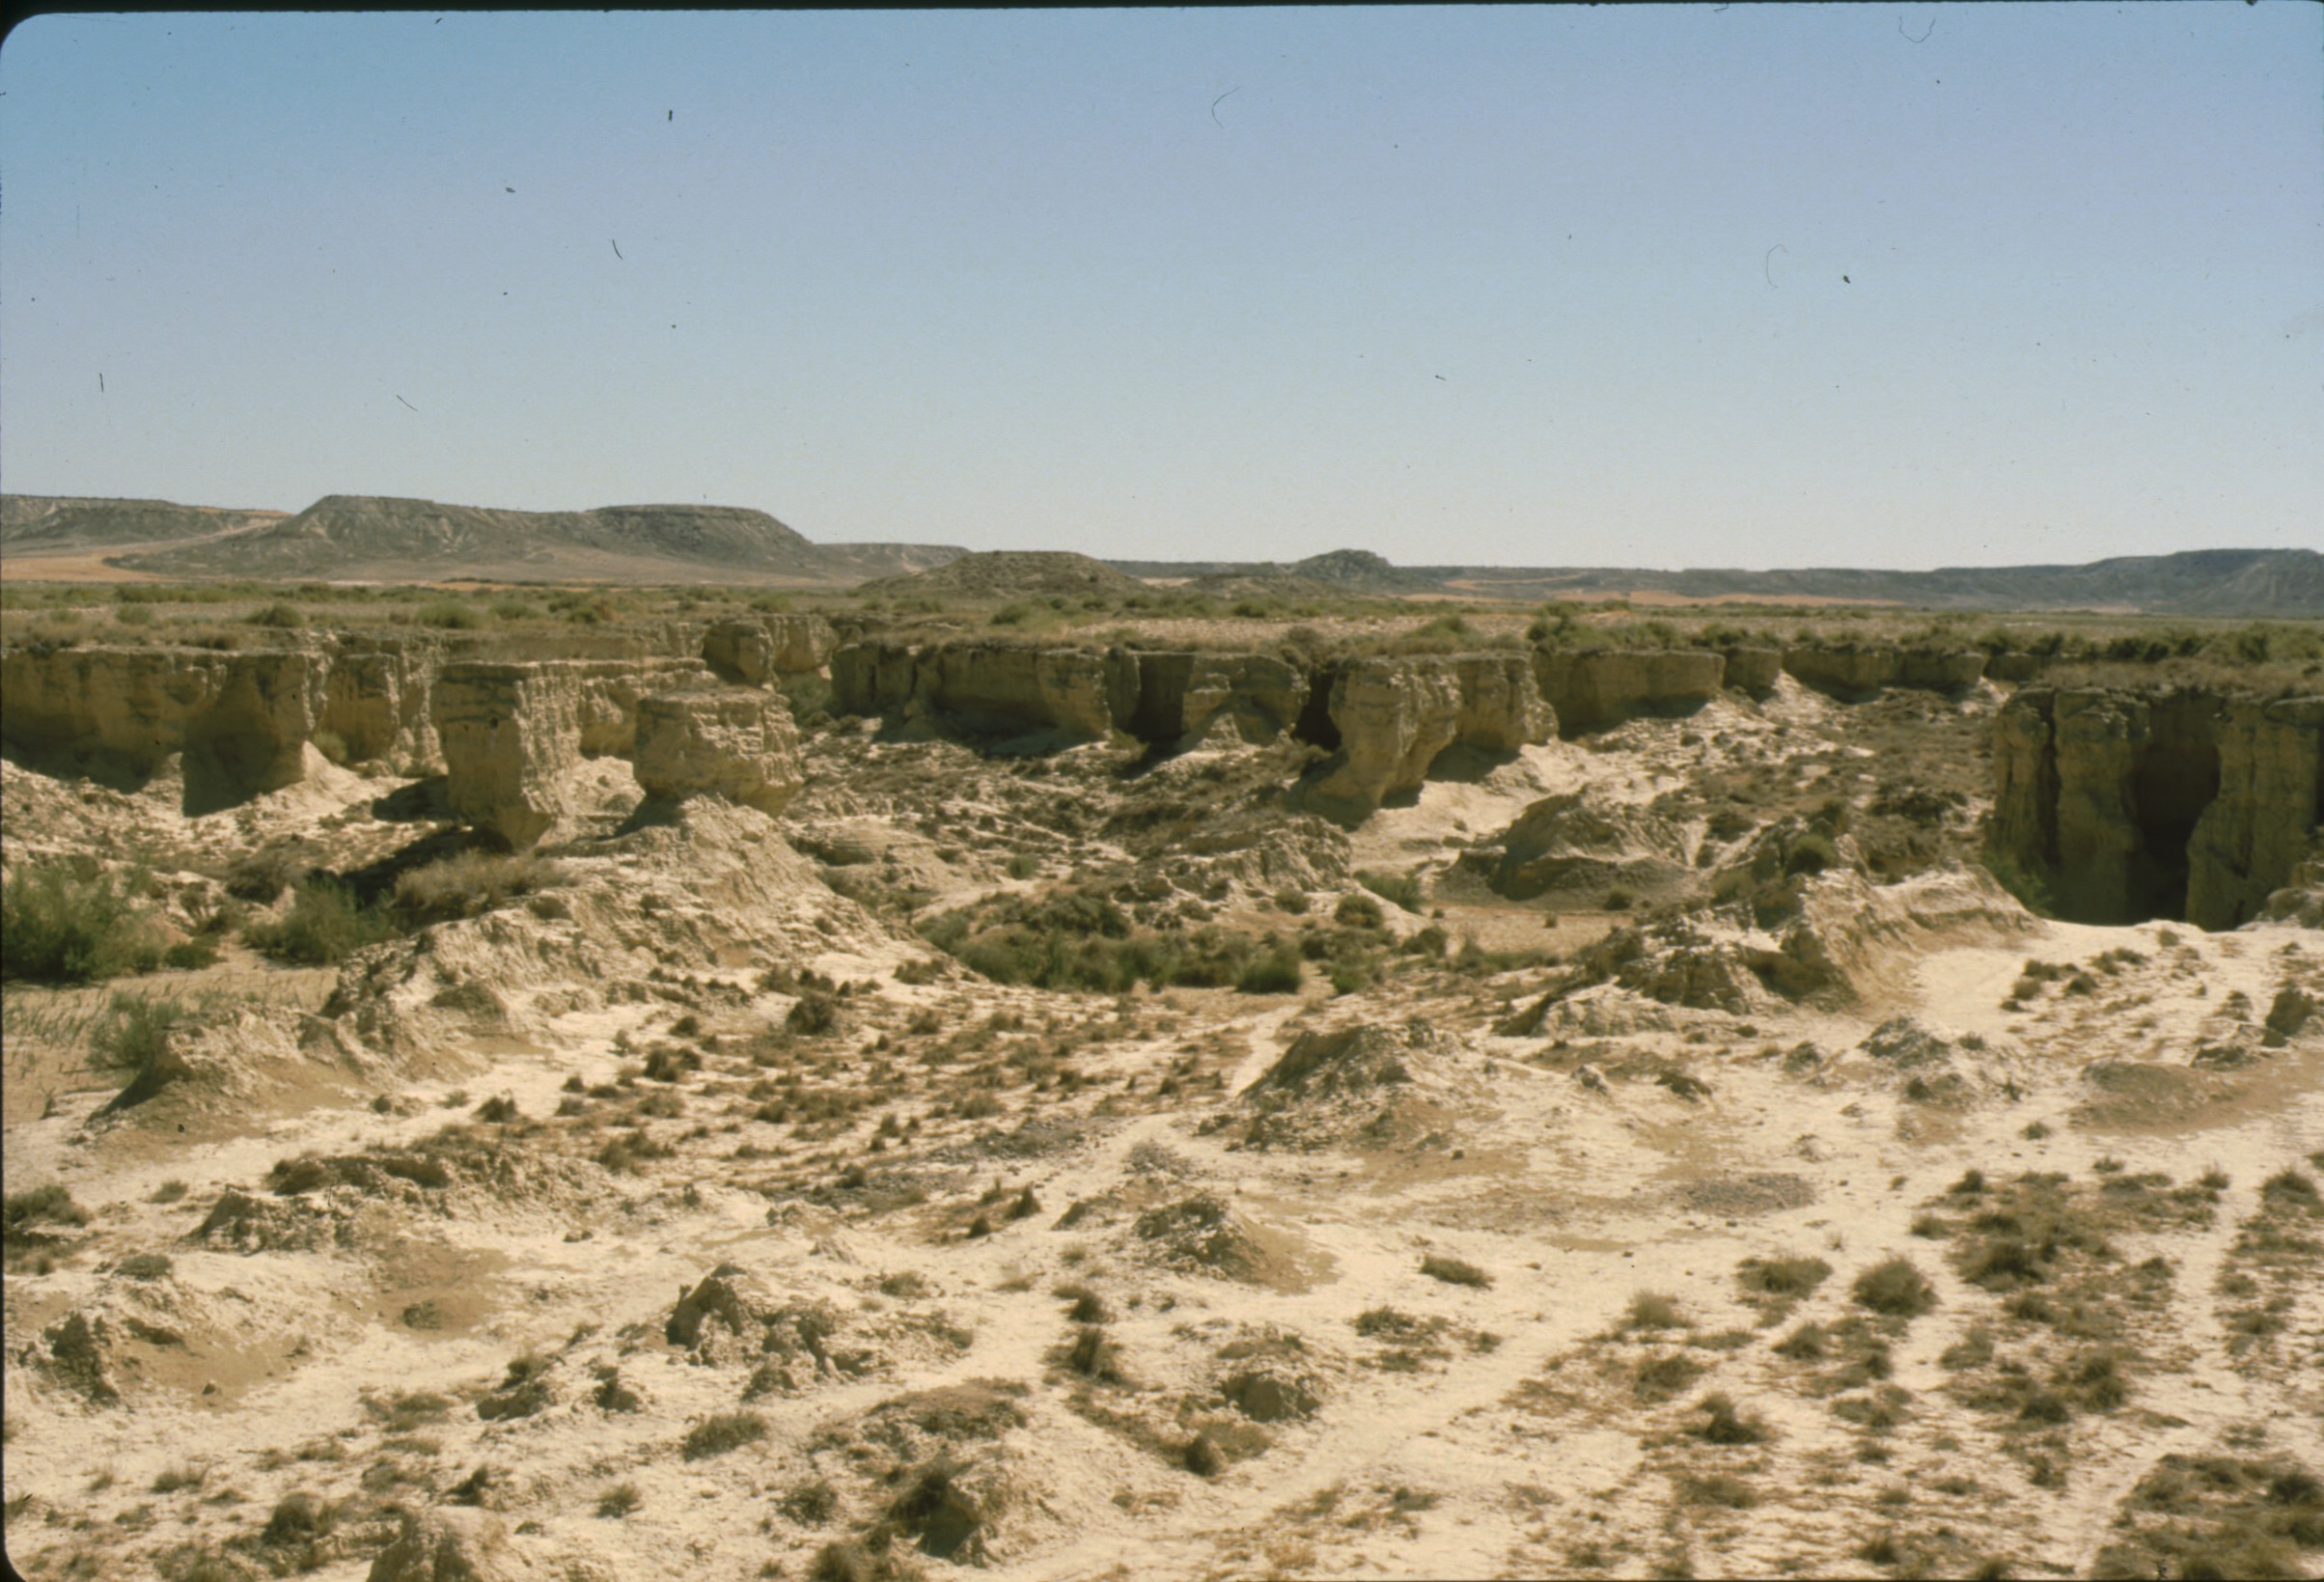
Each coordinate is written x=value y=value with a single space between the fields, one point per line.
x=1182 y=695
x=1391 y=717
x=2178 y=804
x=740 y=744
x=376 y=699
x=1594 y=689
x=1754 y=670
x=512 y=740
x=990 y=689
x=1579 y=841
x=1850 y=671
x=2257 y=834
x=757 y=650
x=241 y=720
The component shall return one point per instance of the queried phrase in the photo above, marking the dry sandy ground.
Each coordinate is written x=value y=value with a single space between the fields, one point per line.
x=915 y=1199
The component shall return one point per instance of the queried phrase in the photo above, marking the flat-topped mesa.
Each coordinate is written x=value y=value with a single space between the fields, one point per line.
x=2180 y=804
x=758 y=649
x=515 y=734
x=240 y=719
x=730 y=742
x=1852 y=670
x=1595 y=689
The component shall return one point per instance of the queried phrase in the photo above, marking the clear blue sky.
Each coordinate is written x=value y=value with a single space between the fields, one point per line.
x=1765 y=286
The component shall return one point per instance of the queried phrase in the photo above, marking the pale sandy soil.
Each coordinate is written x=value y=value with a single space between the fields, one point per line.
x=1622 y=1145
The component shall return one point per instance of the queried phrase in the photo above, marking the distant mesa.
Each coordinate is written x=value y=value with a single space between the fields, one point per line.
x=383 y=539
x=57 y=524
x=1011 y=573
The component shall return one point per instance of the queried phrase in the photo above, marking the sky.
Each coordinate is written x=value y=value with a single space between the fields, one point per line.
x=1747 y=286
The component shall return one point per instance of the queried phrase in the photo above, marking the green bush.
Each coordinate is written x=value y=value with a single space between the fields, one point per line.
x=134 y=1031
x=1275 y=973
x=1405 y=889
x=323 y=927
x=61 y=926
x=1812 y=853
x=450 y=615
x=1894 y=1287
x=1358 y=912
x=281 y=615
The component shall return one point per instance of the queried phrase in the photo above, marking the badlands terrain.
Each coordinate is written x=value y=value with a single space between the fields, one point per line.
x=1023 y=1071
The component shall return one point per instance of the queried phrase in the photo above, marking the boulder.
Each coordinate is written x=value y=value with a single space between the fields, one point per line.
x=740 y=744
x=1594 y=689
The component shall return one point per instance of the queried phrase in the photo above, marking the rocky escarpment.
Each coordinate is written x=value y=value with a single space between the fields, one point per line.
x=1390 y=719
x=514 y=736
x=241 y=721
x=2188 y=803
x=1852 y=670
x=1594 y=689
x=758 y=649
x=1383 y=721
x=734 y=743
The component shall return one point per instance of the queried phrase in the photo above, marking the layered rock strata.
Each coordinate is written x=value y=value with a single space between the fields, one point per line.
x=740 y=744
x=240 y=720
x=1851 y=671
x=1595 y=689
x=758 y=651
x=2177 y=804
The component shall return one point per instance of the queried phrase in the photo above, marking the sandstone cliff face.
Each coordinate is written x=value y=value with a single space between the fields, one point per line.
x=2257 y=839
x=1181 y=696
x=760 y=650
x=375 y=699
x=1754 y=670
x=512 y=740
x=1393 y=716
x=1598 y=689
x=1849 y=670
x=1001 y=690
x=241 y=720
x=1500 y=705
x=738 y=744
x=2180 y=804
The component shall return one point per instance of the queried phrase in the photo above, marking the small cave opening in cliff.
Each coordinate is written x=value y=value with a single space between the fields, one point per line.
x=1315 y=723
x=2175 y=779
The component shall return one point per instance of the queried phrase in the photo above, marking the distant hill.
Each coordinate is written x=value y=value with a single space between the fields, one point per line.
x=2233 y=583
x=1011 y=574
x=57 y=524
x=356 y=537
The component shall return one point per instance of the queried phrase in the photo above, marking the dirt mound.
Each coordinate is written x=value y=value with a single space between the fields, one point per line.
x=1204 y=1234
x=1353 y=1060
x=1579 y=842
x=1011 y=573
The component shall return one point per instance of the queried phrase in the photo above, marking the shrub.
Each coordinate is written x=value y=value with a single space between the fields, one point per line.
x=60 y=925
x=1405 y=889
x=725 y=1431
x=472 y=883
x=1660 y=1377
x=50 y=1205
x=134 y=1032
x=1723 y=1424
x=1452 y=1271
x=1787 y=1277
x=323 y=927
x=1894 y=1287
x=1652 y=1310
x=189 y=955
x=1812 y=853
x=450 y=615
x=619 y=1500
x=285 y=617
x=1357 y=912
x=1276 y=973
